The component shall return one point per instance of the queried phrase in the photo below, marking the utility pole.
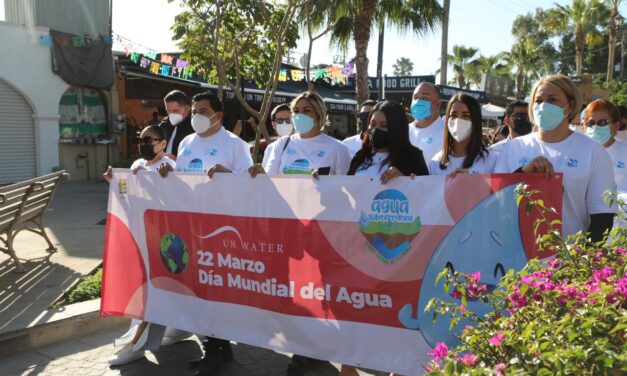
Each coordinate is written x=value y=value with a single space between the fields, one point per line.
x=380 y=60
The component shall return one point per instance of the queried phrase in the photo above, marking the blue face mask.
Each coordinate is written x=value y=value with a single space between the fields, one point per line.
x=548 y=116
x=302 y=123
x=599 y=134
x=421 y=109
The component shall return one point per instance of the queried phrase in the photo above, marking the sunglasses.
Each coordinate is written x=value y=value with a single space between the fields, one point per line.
x=600 y=123
x=283 y=121
x=363 y=116
x=148 y=140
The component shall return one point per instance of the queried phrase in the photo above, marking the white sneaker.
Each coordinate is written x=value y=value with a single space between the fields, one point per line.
x=125 y=355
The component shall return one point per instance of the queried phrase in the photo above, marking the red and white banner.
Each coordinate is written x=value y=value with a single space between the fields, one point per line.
x=339 y=269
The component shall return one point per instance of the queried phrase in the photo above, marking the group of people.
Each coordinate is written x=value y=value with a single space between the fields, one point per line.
x=540 y=140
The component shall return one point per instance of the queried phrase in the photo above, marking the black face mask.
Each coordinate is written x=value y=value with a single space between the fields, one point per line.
x=147 y=151
x=380 y=139
x=522 y=126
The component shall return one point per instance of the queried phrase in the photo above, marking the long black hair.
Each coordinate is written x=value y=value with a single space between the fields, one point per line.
x=475 y=149
x=402 y=154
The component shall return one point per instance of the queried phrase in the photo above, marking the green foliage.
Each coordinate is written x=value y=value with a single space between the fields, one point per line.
x=239 y=36
x=87 y=289
x=403 y=67
x=562 y=316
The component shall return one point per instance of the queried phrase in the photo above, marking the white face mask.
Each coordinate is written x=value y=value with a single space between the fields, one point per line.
x=175 y=118
x=460 y=129
x=284 y=129
x=201 y=123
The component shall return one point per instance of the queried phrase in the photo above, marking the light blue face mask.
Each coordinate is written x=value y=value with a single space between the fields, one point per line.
x=548 y=116
x=302 y=123
x=599 y=134
x=421 y=109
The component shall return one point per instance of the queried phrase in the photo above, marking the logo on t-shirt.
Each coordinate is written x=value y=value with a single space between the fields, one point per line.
x=620 y=164
x=572 y=162
x=320 y=154
x=299 y=166
x=194 y=165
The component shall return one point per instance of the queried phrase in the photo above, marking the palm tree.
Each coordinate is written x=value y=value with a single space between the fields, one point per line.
x=444 y=45
x=612 y=39
x=492 y=65
x=523 y=58
x=581 y=16
x=403 y=67
x=354 y=19
x=461 y=57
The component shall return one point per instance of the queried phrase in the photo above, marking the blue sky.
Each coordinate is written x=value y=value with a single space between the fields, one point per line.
x=485 y=24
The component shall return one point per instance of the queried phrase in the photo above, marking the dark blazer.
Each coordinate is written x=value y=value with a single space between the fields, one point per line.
x=183 y=129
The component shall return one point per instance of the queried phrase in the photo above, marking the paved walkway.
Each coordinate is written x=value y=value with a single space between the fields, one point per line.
x=88 y=356
x=74 y=222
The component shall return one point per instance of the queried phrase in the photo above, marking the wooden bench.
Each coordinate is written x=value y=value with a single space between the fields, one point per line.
x=23 y=206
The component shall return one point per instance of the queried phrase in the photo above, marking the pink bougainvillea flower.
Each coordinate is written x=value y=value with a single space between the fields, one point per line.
x=499 y=370
x=602 y=275
x=469 y=360
x=439 y=352
x=497 y=339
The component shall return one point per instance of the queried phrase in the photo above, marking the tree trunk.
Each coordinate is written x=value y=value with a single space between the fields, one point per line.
x=444 y=47
x=361 y=36
x=612 y=45
x=579 y=42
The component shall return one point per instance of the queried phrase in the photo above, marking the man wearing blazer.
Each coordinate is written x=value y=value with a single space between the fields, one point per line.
x=178 y=123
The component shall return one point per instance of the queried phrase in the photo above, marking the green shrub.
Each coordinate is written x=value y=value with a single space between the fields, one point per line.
x=566 y=315
x=87 y=289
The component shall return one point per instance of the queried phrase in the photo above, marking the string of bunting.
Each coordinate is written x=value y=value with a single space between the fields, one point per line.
x=75 y=41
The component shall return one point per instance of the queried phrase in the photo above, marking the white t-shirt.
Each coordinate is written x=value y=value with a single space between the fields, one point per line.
x=353 y=144
x=376 y=169
x=429 y=139
x=618 y=155
x=498 y=147
x=199 y=154
x=303 y=155
x=141 y=162
x=484 y=165
x=586 y=168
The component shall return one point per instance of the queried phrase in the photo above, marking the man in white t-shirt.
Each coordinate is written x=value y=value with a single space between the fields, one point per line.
x=211 y=148
x=517 y=120
x=427 y=130
x=353 y=143
x=282 y=123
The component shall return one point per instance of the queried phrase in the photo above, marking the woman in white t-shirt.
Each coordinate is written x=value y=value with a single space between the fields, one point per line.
x=386 y=151
x=556 y=148
x=152 y=144
x=601 y=122
x=143 y=335
x=308 y=151
x=463 y=150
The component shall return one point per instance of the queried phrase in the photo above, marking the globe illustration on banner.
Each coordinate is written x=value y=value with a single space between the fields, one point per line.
x=174 y=253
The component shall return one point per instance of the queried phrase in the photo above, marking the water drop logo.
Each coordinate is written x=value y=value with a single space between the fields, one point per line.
x=389 y=225
x=174 y=253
